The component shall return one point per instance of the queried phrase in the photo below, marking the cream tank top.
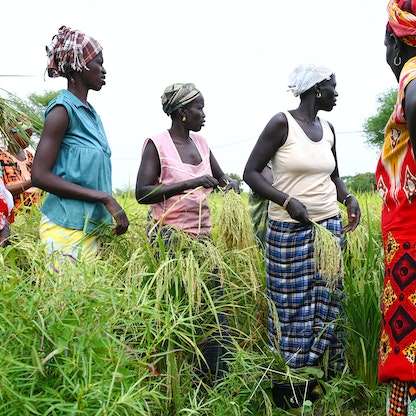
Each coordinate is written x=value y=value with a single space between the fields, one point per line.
x=302 y=169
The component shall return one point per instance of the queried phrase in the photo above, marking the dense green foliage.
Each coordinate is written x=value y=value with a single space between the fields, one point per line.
x=120 y=335
x=35 y=105
x=374 y=125
x=361 y=183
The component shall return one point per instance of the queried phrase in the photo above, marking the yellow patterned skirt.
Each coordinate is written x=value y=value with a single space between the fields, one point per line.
x=75 y=244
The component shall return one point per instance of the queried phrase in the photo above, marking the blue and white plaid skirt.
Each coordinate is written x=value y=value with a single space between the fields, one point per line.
x=308 y=312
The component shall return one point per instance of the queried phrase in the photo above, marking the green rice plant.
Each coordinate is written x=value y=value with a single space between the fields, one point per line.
x=363 y=285
x=234 y=223
x=58 y=354
x=121 y=335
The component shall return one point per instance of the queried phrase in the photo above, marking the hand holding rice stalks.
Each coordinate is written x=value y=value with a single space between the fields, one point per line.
x=235 y=230
x=328 y=255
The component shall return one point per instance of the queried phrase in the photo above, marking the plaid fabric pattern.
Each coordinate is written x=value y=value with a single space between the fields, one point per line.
x=13 y=174
x=307 y=311
x=70 y=50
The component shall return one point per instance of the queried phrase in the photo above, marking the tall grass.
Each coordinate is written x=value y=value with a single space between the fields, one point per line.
x=363 y=281
x=121 y=335
x=358 y=387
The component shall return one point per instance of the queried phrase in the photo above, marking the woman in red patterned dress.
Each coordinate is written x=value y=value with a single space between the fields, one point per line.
x=396 y=183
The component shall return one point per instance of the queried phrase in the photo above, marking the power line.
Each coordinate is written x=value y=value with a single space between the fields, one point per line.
x=243 y=141
x=249 y=140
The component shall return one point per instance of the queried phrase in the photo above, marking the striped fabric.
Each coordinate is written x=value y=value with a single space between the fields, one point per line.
x=178 y=95
x=306 y=311
x=401 y=398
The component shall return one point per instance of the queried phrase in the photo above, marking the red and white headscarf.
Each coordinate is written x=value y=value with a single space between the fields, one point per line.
x=70 y=50
x=6 y=204
x=402 y=20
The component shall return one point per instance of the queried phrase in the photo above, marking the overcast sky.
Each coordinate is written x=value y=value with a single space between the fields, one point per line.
x=238 y=53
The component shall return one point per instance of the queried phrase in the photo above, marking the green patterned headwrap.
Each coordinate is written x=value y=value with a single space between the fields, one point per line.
x=178 y=95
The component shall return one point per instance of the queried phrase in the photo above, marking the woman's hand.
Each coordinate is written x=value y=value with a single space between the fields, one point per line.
x=119 y=215
x=206 y=181
x=232 y=184
x=353 y=212
x=227 y=183
x=298 y=211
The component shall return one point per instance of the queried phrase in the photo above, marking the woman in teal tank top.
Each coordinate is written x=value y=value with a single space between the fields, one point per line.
x=72 y=161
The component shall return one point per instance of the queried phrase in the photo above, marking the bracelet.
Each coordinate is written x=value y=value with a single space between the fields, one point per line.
x=287 y=200
x=345 y=200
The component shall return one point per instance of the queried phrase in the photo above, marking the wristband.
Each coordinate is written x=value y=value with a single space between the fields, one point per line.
x=345 y=200
x=287 y=200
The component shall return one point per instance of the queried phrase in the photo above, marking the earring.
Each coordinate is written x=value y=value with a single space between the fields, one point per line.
x=318 y=94
x=397 y=60
x=184 y=118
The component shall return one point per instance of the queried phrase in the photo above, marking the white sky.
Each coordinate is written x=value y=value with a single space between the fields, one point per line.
x=239 y=53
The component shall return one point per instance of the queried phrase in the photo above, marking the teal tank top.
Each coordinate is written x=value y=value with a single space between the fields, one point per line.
x=84 y=159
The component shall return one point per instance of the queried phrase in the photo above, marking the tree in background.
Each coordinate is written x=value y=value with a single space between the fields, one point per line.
x=237 y=178
x=374 y=126
x=13 y=108
x=34 y=106
x=36 y=103
x=362 y=182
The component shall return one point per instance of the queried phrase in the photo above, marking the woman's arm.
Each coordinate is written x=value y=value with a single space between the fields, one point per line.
x=149 y=191
x=270 y=140
x=18 y=187
x=223 y=179
x=268 y=143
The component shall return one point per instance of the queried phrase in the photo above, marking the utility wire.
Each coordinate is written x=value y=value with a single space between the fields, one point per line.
x=242 y=141
x=249 y=140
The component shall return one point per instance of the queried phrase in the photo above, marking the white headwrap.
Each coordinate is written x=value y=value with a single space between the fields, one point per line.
x=305 y=77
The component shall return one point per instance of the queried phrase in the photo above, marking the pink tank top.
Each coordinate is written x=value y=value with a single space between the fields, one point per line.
x=188 y=211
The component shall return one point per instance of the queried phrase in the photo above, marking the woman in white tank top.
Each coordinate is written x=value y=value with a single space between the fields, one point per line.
x=306 y=186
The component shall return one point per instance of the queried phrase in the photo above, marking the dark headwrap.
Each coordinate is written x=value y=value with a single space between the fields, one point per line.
x=178 y=95
x=402 y=20
x=69 y=51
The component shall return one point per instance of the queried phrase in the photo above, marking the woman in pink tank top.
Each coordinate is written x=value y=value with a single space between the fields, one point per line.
x=178 y=171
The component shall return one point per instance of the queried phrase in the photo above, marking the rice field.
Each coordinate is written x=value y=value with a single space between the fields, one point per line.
x=121 y=335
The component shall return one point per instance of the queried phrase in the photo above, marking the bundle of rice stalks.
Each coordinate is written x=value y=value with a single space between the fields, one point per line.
x=235 y=230
x=14 y=122
x=328 y=255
